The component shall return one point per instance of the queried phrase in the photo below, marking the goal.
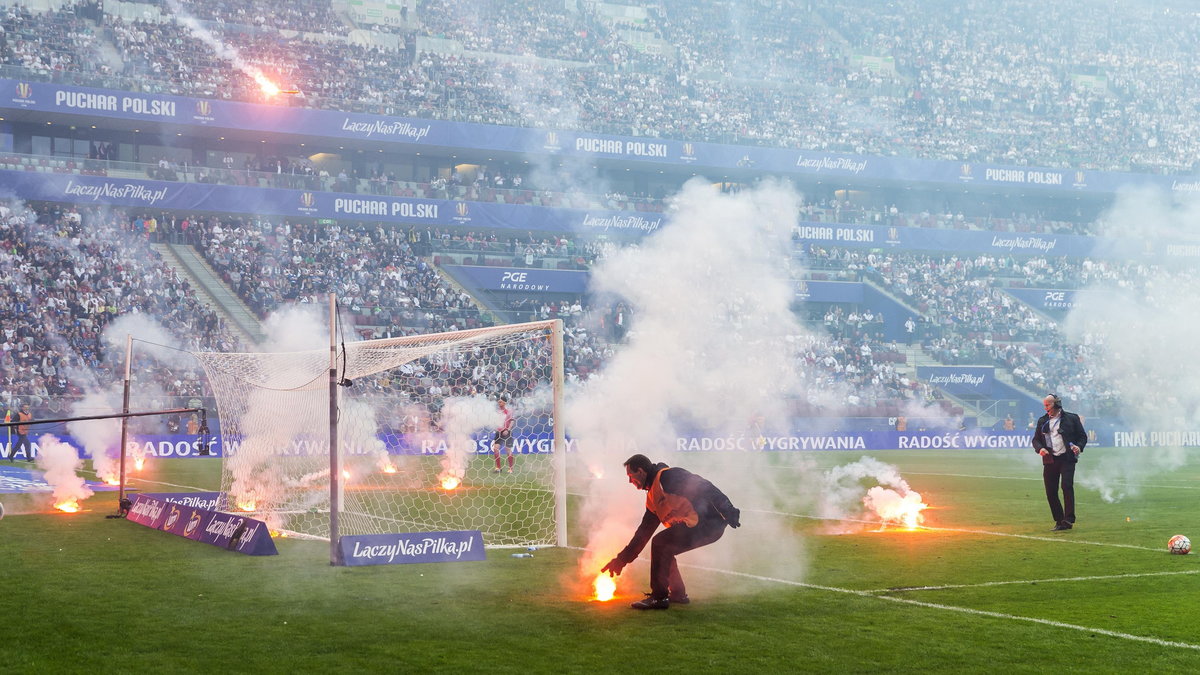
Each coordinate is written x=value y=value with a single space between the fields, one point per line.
x=413 y=424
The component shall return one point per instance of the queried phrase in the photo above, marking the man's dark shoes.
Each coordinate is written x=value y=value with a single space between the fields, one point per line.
x=1061 y=526
x=679 y=599
x=651 y=603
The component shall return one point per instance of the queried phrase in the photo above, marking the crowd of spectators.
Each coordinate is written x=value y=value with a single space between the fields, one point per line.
x=93 y=265
x=964 y=316
x=373 y=269
x=1020 y=83
x=307 y=16
x=49 y=44
x=67 y=273
x=1015 y=83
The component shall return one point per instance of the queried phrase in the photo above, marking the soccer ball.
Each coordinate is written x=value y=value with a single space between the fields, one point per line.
x=1179 y=545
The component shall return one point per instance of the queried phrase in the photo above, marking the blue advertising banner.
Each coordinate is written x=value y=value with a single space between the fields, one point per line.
x=161 y=445
x=1053 y=299
x=798 y=441
x=829 y=291
x=412 y=547
x=961 y=380
x=49 y=97
x=208 y=113
x=427 y=212
x=300 y=203
x=520 y=279
x=227 y=531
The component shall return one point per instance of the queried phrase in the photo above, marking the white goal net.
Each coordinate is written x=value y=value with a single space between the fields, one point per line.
x=418 y=423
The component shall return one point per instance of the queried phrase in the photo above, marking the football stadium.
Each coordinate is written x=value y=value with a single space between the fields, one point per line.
x=348 y=334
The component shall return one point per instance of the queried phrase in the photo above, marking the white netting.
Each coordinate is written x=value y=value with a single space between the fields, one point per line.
x=415 y=432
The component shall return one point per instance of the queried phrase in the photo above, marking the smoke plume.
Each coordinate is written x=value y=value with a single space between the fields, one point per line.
x=1140 y=330
x=60 y=462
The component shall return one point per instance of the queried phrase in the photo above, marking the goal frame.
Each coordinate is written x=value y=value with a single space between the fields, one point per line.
x=341 y=521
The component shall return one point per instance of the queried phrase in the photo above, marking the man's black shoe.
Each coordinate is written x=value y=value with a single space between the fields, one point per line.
x=679 y=599
x=1061 y=526
x=652 y=603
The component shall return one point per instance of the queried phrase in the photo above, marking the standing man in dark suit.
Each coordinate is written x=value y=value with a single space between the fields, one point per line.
x=1059 y=438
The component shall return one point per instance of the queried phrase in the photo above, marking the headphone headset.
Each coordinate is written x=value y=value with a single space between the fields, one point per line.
x=1057 y=401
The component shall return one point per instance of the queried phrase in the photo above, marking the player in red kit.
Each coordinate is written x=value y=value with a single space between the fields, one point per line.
x=503 y=437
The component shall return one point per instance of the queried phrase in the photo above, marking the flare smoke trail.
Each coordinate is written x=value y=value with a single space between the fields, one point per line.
x=842 y=498
x=101 y=439
x=461 y=417
x=59 y=462
x=222 y=49
x=1142 y=335
x=711 y=352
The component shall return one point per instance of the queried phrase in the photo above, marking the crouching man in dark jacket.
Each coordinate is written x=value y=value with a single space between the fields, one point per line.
x=695 y=514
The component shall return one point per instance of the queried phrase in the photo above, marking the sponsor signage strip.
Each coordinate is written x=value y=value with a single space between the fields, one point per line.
x=224 y=530
x=520 y=279
x=179 y=110
x=58 y=187
x=412 y=547
x=137 y=192
x=977 y=380
x=797 y=440
x=200 y=500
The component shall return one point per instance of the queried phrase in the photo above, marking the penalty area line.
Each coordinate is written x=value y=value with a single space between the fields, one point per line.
x=962 y=610
x=1063 y=539
x=1081 y=481
x=1103 y=577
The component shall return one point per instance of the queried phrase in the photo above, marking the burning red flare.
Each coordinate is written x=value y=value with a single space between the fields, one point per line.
x=139 y=463
x=450 y=482
x=247 y=505
x=68 y=506
x=112 y=481
x=389 y=469
x=604 y=587
x=896 y=510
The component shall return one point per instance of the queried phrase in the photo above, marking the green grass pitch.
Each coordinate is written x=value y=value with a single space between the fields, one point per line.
x=988 y=588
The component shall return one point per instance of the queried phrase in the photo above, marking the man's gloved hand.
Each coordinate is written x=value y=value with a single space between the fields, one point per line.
x=734 y=518
x=614 y=567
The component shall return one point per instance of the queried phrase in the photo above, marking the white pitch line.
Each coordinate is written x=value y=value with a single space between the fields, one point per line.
x=1038 y=479
x=963 y=610
x=1064 y=539
x=1131 y=575
x=947 y=608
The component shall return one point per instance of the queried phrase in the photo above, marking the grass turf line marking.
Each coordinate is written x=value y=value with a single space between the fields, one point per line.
x=989 y=533
x=1131 y=575
x=963 y=610
x=1038 y=479
x=1041 y=538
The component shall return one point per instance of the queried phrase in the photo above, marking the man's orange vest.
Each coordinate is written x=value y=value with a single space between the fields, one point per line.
x=670 y=509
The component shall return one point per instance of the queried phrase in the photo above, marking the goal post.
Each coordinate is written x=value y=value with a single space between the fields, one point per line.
x=400 y=435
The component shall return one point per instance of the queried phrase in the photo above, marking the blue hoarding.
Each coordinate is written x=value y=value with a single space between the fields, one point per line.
x=179 y=110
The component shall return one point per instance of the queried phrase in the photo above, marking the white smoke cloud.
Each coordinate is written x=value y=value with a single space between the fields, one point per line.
x=867 y=489
x=59 y=462
x=221 y=48
x=101 y=439
x=462 y=417
x=711 y=351
x=1142 y=333
x=296 y=328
